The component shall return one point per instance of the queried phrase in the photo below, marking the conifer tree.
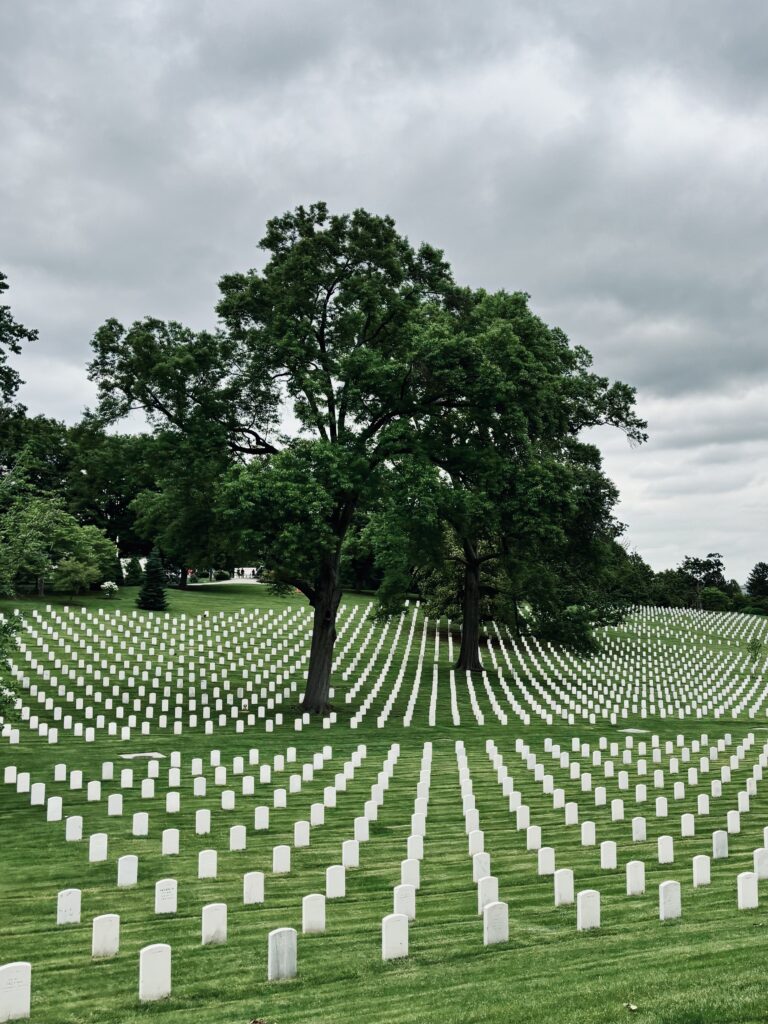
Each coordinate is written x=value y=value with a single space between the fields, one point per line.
x=152 y=594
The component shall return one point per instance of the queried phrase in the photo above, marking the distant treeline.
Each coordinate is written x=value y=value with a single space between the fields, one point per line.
x=695 y=583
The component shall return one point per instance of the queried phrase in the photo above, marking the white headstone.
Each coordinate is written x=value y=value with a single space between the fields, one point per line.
x=15 y=990
x=719 y=845
x=394 y=937
x=105 y=939
x=564 y=887
x=68 y=906
x=281 y=860
x=607 y=856
x=410 y=872
x=281 y=954
x=495 y=923
x=253 y=887
x=214 y=924
x=404 y=898
x=669 y=901
x=335 y=882
x=481 y=866
x=313 y=914
x=587 y=909
x=166 y=896
x=487 y=892
x=665 y=850
x=760 y=862
x=73 y=829
x=97 y=847
x=154 y=972
x=702 y=873
x=746 y=890
x=127 y=870
x=207 y=864
x=546 y=860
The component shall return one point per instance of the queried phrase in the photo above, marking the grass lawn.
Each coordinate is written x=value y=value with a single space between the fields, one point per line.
x=709 y=966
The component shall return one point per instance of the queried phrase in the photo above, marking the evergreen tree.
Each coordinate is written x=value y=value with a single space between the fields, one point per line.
x=134 y=577
x=757 y=584
x=152 y=594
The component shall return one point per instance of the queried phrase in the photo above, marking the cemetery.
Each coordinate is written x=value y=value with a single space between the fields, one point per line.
x=551 y=836
x=383 y=584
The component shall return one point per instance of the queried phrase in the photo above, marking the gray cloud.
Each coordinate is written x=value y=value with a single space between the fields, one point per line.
x=608 y=158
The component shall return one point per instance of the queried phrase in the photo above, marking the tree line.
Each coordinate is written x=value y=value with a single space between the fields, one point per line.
x=358 y=418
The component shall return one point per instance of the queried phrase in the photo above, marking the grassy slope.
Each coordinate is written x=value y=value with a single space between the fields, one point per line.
x=709 y=967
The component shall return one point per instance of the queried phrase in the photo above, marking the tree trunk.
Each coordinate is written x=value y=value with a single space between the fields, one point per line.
x=469 y=655
x=326 y=604
x=41 y=586
x=516 y=615
x=183 y=578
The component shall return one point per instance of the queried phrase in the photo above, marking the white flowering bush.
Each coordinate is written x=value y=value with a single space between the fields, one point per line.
x=109 y=589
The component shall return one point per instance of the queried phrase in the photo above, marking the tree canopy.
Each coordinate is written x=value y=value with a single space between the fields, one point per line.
x=12 y=337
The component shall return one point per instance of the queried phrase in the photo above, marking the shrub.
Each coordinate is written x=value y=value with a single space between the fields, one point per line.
x=109 y=589
x=220 y=574
x=714 y=600
x=134 y=577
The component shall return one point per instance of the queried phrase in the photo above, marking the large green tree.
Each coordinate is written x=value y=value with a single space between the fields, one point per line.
x=180 y=514
x=94 y=475
x=703 y=573
x=41 y=544
x=512 y=474
x=344 y=332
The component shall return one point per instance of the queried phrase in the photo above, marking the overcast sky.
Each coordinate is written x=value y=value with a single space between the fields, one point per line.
x=608 y=157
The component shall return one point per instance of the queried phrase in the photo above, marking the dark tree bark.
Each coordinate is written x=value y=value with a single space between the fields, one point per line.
x=183 y=578
x=516 y=615
x=324 y=597
x=469 y=655
x=325 y=602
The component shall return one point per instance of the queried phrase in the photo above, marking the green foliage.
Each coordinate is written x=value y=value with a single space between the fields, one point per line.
x=40 y=543
x=92 y=475
x=516 y=489
x=116 y=573
x=757 y=583
x=134 y=575
x=672 y=588
x=74 y=575
x=10 y=627
x=180 y=514
x=152 y=594
x=700 y=583
x=706 y=572
x=12 y=336
x=755 y=647
x=714 y=600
